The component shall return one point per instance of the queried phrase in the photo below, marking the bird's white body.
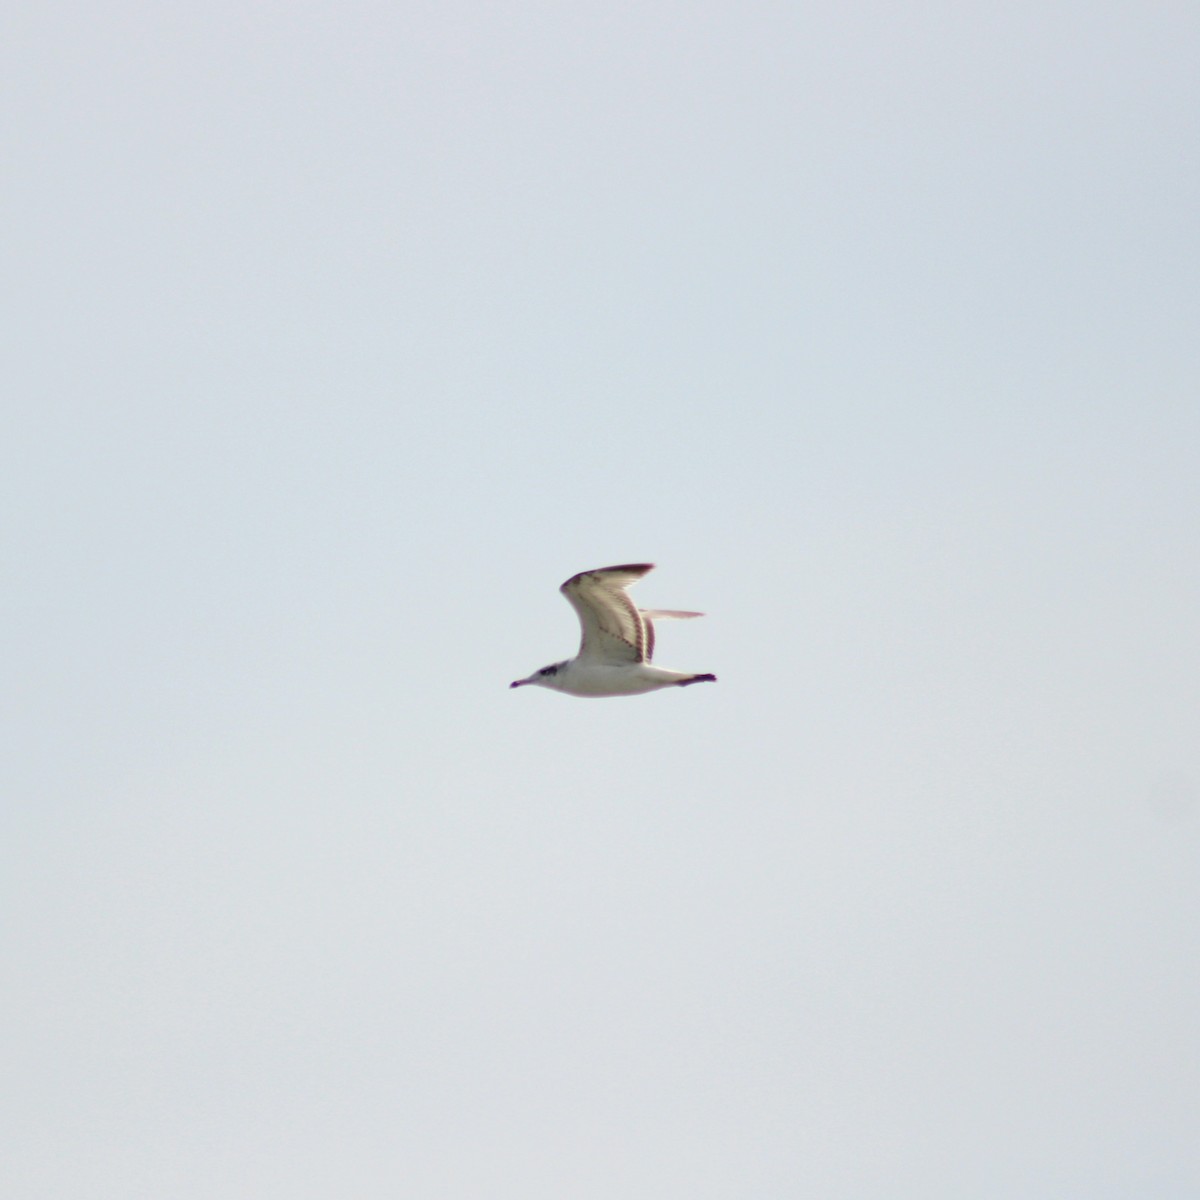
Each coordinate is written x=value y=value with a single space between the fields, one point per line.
x=600 y=679
x=618 y=640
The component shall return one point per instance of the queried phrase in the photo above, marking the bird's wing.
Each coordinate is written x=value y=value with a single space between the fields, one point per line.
x=650 y=615
x=613 y=629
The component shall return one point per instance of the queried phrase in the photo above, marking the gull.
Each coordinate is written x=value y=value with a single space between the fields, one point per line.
x=618 y=640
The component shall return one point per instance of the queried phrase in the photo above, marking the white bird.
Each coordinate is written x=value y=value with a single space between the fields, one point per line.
x=618 y=640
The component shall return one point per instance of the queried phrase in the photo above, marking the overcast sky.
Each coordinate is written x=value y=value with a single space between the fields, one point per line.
x=340 y=335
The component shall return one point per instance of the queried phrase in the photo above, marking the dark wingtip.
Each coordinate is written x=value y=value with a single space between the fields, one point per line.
x=516 y=683
x=638 y=569
x=698 y=679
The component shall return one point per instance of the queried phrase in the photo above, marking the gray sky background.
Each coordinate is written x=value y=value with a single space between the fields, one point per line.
x=340 y=335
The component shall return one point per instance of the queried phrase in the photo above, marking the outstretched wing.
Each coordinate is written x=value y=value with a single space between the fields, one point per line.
x=613 y=629
x=650 y=615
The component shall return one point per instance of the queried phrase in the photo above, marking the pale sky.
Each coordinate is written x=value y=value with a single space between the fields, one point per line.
x=340 y=335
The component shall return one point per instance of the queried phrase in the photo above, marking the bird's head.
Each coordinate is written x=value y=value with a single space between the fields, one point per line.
x=547 y=677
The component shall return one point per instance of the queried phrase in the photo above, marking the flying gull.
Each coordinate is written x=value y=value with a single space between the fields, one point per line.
x=618 y=640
